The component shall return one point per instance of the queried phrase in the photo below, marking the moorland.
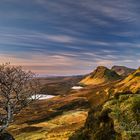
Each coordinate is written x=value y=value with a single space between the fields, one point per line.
x=106 y=107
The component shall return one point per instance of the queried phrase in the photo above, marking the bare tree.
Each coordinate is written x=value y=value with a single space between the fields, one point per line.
x=17 y=87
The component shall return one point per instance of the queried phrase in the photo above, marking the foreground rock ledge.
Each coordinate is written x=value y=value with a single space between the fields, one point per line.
x=6 y=136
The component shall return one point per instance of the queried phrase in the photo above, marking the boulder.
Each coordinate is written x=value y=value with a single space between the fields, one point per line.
x=6 y=136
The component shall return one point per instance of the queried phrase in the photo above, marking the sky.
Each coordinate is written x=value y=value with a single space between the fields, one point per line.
x=68 y=37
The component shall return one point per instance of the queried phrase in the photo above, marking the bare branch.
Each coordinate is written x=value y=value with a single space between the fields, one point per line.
x=17 y=87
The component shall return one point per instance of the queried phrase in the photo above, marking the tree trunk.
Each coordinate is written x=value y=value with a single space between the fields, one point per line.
x=9 y=116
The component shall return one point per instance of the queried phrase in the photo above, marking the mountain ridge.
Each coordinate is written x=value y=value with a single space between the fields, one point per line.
x=99 y=76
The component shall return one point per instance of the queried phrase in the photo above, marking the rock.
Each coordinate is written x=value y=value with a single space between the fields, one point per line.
x=122 y=70
x=6 y=136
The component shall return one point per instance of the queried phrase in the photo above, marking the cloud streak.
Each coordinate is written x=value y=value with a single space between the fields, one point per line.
x=69 y=37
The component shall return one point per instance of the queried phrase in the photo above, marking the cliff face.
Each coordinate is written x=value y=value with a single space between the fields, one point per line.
x=122 y=70
x=99 y=76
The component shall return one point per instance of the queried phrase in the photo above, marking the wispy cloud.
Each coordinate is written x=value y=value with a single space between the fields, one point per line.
x=71 y=36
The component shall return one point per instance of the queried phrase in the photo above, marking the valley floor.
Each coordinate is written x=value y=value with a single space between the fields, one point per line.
x=57 y=122
x=59 y=128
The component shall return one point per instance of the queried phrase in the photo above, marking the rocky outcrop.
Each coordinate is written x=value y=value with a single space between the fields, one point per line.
x=122 y=70
x=116 y=119
x=6 y=136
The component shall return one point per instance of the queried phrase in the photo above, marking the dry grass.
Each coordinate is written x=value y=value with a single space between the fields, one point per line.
x=60 y=128
x=53 y=119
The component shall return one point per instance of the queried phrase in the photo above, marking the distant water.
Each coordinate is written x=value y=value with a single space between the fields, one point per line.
x=77 y=87
x=42 y=96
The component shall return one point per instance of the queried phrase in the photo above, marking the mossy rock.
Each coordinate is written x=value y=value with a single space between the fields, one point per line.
x=117 y=119
x=6 y=136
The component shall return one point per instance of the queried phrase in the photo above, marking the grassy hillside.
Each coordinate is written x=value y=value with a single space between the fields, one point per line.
x=117 y=119
x=130 y=83
x=51 y=119
x=99 y=76
x=115 y=111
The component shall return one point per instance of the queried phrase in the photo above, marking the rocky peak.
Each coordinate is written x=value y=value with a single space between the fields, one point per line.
x=100 y=75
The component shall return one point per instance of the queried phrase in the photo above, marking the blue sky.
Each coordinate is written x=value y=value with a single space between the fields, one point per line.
x=64 y=37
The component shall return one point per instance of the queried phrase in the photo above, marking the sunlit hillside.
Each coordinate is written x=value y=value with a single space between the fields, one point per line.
x=99 y=76
x=130 y=83
x=114 y=112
